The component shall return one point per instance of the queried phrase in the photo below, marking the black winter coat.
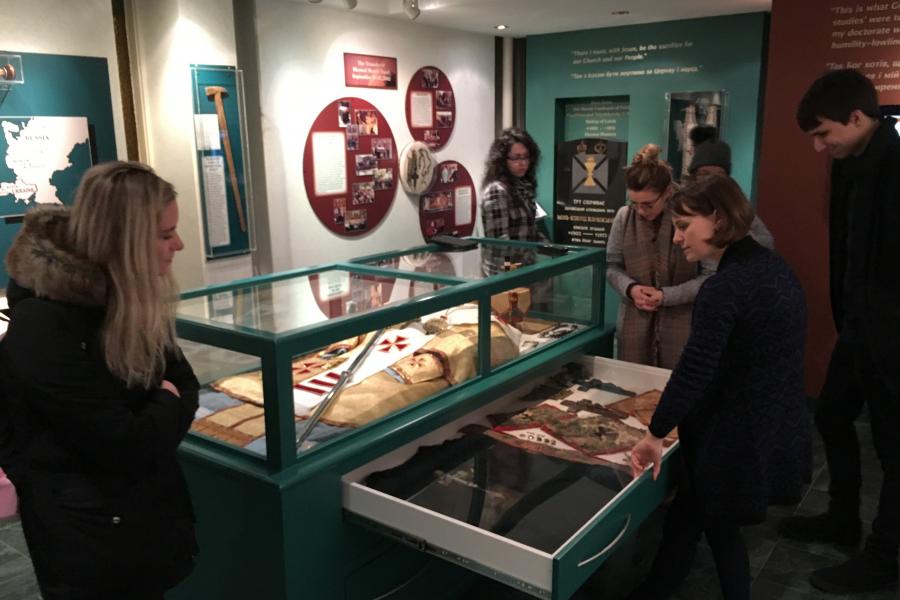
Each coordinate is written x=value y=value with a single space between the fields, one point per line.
x=105 y=508
x=873 y=178
x=736 y=394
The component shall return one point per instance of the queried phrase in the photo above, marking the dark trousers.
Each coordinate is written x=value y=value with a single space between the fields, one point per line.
x=684 y=525
x=853 y=381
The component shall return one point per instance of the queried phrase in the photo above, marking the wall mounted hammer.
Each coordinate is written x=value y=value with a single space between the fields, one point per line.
x=216 y=93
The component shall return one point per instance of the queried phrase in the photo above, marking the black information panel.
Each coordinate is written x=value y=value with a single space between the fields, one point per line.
x=590 y=188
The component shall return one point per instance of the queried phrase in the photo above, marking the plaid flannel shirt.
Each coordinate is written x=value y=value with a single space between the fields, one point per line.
x=505 y=217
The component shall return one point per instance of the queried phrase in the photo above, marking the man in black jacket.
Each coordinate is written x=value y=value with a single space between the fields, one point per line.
x=840 y=112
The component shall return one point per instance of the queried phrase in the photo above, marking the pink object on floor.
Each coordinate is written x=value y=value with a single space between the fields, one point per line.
x=8 y=499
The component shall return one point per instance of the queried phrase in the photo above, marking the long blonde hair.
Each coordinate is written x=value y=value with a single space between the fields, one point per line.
x=114 y=224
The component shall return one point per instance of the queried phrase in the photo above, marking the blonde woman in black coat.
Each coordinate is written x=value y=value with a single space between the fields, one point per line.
x=98 y=393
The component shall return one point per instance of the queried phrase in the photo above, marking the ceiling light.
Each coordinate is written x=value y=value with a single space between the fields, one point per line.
x=314 y=1
x=411 y=8
x=501 y=27
x=351 y=4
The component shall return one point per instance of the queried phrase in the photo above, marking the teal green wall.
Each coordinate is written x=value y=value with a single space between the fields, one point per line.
x=727 y=52
x=58 y=86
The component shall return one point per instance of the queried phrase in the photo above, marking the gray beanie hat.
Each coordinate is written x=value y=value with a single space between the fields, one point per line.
x=716 y=154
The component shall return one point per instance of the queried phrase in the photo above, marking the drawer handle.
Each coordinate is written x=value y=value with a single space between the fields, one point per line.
x=610 y=545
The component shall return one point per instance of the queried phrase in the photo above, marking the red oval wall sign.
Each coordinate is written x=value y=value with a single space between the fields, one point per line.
x=449 y=206
x=350 y=167
x=430 y=107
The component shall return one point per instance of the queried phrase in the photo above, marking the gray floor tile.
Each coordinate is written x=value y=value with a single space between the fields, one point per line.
x=13 y=565
x=20 y=587
x=790 y=567
x=7 y=554
x=763 y=589
x=11 y=534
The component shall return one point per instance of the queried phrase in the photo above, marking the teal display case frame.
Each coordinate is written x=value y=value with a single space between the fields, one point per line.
x=286 y=506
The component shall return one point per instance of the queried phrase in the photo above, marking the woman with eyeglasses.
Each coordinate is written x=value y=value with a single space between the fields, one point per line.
x=657 y=283
x=97 y=393
x=509 y=206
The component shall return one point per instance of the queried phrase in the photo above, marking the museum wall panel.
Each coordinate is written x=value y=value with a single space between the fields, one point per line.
x=301 y=68
x=644 y=63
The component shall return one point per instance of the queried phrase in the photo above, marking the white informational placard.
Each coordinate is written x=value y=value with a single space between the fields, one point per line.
x=334 y=285
x=420 y=109
x=329 y=163
x=462 y=199
x=216 y=201
x=206 y=132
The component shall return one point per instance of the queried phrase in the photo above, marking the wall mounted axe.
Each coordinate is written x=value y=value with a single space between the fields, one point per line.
x=216 y=93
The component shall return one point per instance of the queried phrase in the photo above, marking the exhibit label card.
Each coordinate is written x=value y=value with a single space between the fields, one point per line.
x=420 y=109
x=463 y=205
x=334 y=285
x=329 y=163
x=364 y=70
x=215 y=197
x=206 y=132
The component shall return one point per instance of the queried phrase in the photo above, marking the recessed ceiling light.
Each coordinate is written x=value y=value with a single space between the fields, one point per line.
x=501 y=27
x=618 y=13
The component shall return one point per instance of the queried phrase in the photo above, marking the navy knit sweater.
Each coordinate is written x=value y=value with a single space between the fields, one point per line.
x=736 y=394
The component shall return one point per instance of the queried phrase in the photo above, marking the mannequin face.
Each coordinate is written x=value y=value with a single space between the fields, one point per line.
x=518 y=160
x=168 y=242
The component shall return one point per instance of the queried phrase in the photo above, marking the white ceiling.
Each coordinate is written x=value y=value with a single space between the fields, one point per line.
x=530 y=17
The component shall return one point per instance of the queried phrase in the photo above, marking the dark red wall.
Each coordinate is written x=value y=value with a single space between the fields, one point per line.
x=805 y=41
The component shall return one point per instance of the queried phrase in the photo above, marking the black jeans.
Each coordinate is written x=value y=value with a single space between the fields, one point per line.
x=684 y=524
x=853 y=381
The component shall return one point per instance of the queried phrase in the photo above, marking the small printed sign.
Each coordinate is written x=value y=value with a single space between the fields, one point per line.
x=364 y=70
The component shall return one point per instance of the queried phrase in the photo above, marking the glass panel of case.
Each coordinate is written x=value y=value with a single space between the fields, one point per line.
x=547 y=310
x=231 y=415
x=477 y=263
x=391 y=369
x=398 y=366
x=289 y=304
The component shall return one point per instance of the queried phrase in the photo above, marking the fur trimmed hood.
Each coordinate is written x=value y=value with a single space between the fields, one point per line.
x=40 y=259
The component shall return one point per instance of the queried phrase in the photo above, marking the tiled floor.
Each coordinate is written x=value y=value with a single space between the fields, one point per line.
x=780 y=567
x=16 y=577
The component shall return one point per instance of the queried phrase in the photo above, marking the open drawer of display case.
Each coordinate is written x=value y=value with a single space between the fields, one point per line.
x=532 y=489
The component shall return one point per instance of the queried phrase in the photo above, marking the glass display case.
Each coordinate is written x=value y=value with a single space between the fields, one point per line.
x=309 y=376
x=270 y=351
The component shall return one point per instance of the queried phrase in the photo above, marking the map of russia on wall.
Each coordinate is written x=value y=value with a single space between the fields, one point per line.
x=42 y=159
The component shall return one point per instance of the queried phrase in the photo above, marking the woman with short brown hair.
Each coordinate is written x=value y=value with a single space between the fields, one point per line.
x=736 y=395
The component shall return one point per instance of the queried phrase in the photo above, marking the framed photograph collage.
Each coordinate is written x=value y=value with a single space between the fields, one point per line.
x=449 y=204
x=430 y=107
x=350 y=166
